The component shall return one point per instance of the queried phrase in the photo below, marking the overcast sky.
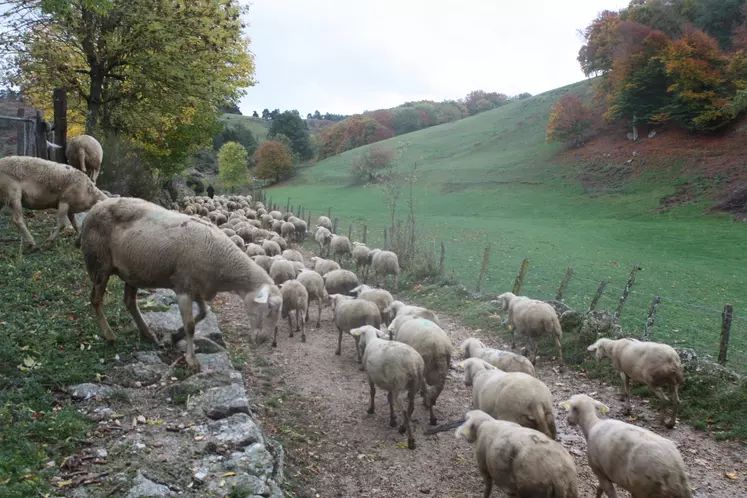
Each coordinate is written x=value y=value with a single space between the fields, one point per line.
x=347 y=56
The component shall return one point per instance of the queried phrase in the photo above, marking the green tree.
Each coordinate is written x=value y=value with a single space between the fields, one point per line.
x=290 y=124
x=273 y=161
x=156 y=71
x=236 y=133
x=232 y=161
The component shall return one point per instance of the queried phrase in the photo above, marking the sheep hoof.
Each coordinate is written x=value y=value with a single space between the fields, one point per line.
x=291 y=335
x=433 y=421
x=178 y=335
x=303 y=338
x=411 y=444
x=337 y=352
x=370 y=411
x=275 y=343
x=392 y=422
x=402 y=429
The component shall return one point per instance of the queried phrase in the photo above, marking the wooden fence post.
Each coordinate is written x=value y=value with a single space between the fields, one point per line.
x=21 y=137
x=441 y=260
x=59 y=100
x=350 y=232
x=564 y=283
x=334 y=225
x=329 y=213
x=385 y=245
x=521 y=276
x=626 y=291
x=41 y=136
x=308 y=223
x=290 y=210
x=484 y=268
x=365 y=233
x=598 y=295
x=726 y=318
x=303 y=212
x=287 y=205
x=651 y=317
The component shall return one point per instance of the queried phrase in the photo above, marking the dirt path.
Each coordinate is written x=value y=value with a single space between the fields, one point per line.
x=315 y=402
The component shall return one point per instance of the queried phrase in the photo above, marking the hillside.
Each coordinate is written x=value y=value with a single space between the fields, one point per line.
x=257 y=126
x=492 y=179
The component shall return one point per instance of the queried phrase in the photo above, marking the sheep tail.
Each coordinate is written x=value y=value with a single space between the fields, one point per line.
x=545 y=422
x=555 y=326
x=82 y=159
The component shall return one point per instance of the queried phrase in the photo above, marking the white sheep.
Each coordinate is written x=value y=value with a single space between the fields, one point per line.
x=362 y=258
x=651 y=363
x=513 y=396
x=277 y=227
x=292 y=255
x=636 y=459
x=325 y=222
x=434 y=346
x=300 y=227
x=340 y=246
x=352 y=313
x=398 y=308
x=271 y=247
x=282 y=270
x=281 y=242
x=238 y=241
x=288 y=230
x=85 y=153
x=33 y=183
x=323 y=237
x=314 y=284
x=276 y=214
x=264 y=261
x=295 y=298
x=383 y=264
x=394 y=367
x=521 y=462
x=323 y=266
x=153 y=247
x=532 y=318
x=380 y=297
x=502 y=360
x=253 y=249
x=340 y=282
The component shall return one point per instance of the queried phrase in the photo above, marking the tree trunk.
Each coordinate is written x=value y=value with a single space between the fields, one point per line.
x=94 y=101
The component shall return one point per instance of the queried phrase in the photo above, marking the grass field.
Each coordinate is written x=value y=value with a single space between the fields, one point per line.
x=48 y=341
x=256 y=125
x=491 y=179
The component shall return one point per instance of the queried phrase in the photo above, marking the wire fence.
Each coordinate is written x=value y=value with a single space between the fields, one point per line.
x=22 y=135
x=677 y=321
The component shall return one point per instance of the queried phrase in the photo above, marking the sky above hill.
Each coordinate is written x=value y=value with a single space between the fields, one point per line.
x=348 y=56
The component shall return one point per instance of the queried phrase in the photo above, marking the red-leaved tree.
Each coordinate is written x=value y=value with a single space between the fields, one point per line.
x=569 y=122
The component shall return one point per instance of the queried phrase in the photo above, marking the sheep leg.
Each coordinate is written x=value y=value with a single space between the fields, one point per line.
x=94 y=175
x=372 y=388
x=275 y=336
x=319 y=317
x=675 y=406
x=73 y=222
x=299 y=319
x=97 y=298
x=396 y=282
x=626 y=388
x=62 y=210
x=201 y=314
x=339 y=342
x=406 y=416
x=185 y=307
x=290 y=323
x=18 y=220
x=130 y=300
x=605 y=486
x=392 y=416
x=662 y=396
x=488 y=484
x=556 y=339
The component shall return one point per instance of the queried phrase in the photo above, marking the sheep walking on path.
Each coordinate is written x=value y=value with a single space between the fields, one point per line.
x=33 y=183
x=148 y=246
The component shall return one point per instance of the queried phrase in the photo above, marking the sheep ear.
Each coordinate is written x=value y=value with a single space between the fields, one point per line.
x=593 y=347
x=566 y=405
x=262 y=295
x=355 y=332
x=602 y=407
x=462 y=432
x=460 y=364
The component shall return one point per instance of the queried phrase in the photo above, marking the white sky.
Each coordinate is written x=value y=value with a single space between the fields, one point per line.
x=347 y=56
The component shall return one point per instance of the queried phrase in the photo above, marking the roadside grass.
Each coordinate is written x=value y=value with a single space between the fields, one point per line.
x=48 y=341
x=491 y=179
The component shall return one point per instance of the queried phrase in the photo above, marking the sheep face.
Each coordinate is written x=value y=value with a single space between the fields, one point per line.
x=472 y=366
x=601 y=349
x=579 y=404
x=473 y=420
x=265 y=303
x=505 y=300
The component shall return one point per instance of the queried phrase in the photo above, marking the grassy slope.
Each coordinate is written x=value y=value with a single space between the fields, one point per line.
x=47 y=327
x=492 y=179
x=256 y=125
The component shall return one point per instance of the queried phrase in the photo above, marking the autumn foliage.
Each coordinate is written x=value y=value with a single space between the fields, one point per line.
x=273 y=160
x=570 y=120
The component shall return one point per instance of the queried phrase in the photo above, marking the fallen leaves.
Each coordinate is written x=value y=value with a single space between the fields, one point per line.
x=731 y=475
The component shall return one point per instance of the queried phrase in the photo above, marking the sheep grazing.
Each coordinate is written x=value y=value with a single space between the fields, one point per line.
x=265 y=262
x=300 y=227
x=634 y=458
x=515 y=396
x=380 y=297
x=651 y=363
x=323 y=237
x=238 y=241
x=279 y=241
x=282 y=270
x=532 y=318
x=340 y=282
x=153 y=247
x=254 y=250
x=85 y=153
x=362 y=258
x=502 y=360
x=323 y=266
x=398 y=308
x=353 y=313
x=288 y=230
x=33 y=183
x=292 y=255
x=295 y=298
x=276 y=215
x=435 y=347
x=396 y=368
x=519 y=461
x=314 y=284
x=325 y=222
x=340 y=246
x=271 y=247
x=277 y=227
x=385 y=263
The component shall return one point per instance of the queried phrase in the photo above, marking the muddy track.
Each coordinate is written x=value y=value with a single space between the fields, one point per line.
x=316 y=402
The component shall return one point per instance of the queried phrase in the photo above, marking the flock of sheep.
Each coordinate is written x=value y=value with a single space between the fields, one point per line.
x=234 y=244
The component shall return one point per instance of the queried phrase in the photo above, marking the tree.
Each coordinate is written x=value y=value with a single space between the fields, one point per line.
x=596 y=55
x=255 y=115
x=317 y=115
x=266 y=114
x=309 y=116
x=290 y=124
x=373 y=165
x=236 y=133
x=232 y=161
x=569 y=121
x=273 y=161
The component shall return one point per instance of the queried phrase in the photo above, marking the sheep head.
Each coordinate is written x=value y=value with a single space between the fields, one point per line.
x=580 y=404
x=472 y=366
x=505 y=299
x=473 y=420
x=602 y=348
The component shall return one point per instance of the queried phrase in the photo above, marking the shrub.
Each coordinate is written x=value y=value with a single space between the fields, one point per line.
x=232 y=162
x=236 y=133
x=124 y=171
x=373 y=165
x=273 y=161
x=570 y=119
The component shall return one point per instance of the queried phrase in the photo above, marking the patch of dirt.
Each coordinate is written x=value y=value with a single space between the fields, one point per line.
x=316 y=402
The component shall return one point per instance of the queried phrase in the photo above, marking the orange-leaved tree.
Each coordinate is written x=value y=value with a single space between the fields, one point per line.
x=570 y=120
x=273 y=161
